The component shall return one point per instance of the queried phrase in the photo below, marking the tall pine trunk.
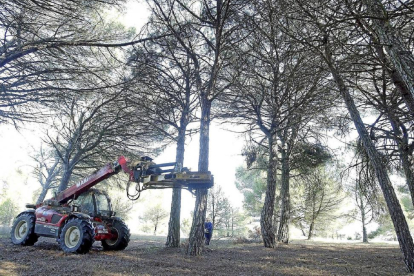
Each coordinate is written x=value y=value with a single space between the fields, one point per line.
x=400 y=224
x=283 y=231
x=266 y=219
x=395 y=77
x=196 y=238
x=173 y=237
x=399 y=56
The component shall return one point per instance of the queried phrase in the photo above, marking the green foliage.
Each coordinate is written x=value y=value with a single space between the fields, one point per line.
x=185 y=226
x=8 y=210
x=407 y=205
x=316 y=197
x=255 y=233
x=385 y=229
x=233 y=224
x=255 y=155
x=307 y=156
x=218 y=207
x=121 y=206
x=153 y=218
x=252 y=183
x=227 y=220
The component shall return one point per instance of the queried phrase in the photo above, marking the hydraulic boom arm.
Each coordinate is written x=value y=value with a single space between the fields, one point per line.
x=145 y=173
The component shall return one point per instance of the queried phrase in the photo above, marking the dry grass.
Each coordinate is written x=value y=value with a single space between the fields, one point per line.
x=148 y=256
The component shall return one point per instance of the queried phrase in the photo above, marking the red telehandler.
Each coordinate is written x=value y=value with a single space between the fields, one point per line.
x=80 y=215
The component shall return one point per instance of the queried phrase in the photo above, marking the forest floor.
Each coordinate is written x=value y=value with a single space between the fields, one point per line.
x=148 y=256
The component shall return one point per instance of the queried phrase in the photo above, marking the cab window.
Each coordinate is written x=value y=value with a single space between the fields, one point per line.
x=102 y=203
x=85 y=201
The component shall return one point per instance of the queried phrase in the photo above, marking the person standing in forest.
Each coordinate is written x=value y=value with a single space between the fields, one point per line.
x=208 y=230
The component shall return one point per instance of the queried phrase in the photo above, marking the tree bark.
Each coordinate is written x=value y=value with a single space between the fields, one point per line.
x=310 y=234
x=400 y=224
x=63 y=185
x=266 y=219
x=283 y=231
x=395 y=77
x=406 y=158
x=399 y=56
x=363 y=221
x=173 y=237
x=364 y=234
x=196 y=238
x=51 y=174
x=42 y=195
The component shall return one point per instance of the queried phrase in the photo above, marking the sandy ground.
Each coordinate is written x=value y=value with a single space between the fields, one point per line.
x=148 y=256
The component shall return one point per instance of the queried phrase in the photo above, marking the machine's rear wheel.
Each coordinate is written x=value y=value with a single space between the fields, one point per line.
x=121 y=233
x=22 y=231
x=76 y=236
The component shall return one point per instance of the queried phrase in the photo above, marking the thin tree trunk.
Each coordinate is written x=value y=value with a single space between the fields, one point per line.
x=400 y=224
x=310 y=234
x=196 y=238
x=232 y=223
x=266 y=219
x=213 y=205
x=173 y=237
x=283 y=232
x=301 y=229
x=363 y=220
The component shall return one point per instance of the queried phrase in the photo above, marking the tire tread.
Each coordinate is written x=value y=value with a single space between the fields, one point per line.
x=87 y=236
x=123 y=231
x=31 y=238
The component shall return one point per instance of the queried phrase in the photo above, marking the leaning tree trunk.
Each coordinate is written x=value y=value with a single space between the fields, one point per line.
x=381 y=23
x=43 y=193
x=283 y=231
x=266 y=219
x=196 y=238
x=406 y=158
x=401 y=58
x=63 y=185
x=173 y=237
x=400 y=224
x=395 y=77
x=51 y=174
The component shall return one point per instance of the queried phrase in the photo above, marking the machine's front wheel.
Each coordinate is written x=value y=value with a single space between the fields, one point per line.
x=76 y=236
x=22 y=231
x=121 y=236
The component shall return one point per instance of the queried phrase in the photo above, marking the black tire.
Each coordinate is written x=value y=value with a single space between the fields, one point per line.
x=22 y=232
x=123 y=235
x=77 y=236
